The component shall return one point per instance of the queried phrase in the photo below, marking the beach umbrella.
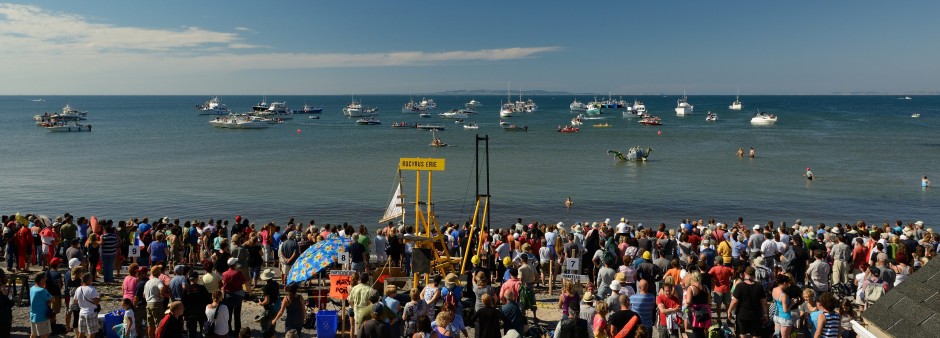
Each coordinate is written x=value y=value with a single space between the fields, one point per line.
x=316 y=258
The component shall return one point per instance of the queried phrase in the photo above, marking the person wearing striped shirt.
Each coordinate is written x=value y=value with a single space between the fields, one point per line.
x=109 y=248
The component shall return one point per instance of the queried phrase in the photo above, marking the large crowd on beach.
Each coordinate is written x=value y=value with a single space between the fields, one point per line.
x=614 y=279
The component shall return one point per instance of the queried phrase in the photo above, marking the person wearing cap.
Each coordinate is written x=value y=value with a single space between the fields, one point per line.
x=287 y=251
x=55 y=284
x=452 y=289
x=233 y=283
x=197 y=298
x=808 y=174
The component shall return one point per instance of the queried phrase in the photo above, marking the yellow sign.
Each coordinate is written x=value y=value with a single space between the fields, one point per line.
x=407 y=163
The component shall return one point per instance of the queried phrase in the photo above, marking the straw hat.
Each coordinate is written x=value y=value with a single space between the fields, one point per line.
x=268 y=274
x=451 y=279
x=758 y=261
x=588 y=297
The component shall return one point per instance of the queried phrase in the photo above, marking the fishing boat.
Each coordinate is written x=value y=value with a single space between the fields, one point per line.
x=634 y=154
x=213 y=107
x=473 y=104
x=651 y=121
x=427 y=104
x=711 y=117
x=577 y=120
x=240 y=121
x=569 y=129
x=683 y=107
x=73 y=127
x=471 y=125
x=277 y=111
x=593 y=110
x=915 y=115
x=454 y=114
x=763 y=119
x=308 y=109
x=430 y=126
x=736 y=105
x=404 y=125
x=577 y=106
x=638 y=109
x=513 y=127
x=369 y=121
x=602 y=125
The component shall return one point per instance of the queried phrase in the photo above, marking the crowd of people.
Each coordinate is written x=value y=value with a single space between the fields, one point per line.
x=192 y=277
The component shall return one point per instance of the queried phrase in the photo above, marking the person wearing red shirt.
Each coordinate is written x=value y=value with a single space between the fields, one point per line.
x=669 y=309
x=721 y=281
x=233 y=282
x=859 y=255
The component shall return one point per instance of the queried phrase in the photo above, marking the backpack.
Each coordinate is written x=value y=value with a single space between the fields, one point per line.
x=208 y=330
x=526 y=297
x=451 y=299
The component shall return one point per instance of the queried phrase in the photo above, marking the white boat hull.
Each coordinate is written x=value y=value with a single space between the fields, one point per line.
x=454 y=115
x=735 y=106
x=683 y=111
x=505 y=113
x=763 y=120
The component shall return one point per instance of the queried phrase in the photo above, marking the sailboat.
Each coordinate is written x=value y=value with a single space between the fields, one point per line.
x=736 y=105
x=396 y=208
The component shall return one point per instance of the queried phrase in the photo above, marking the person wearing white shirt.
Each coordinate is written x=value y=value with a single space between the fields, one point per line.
x=622 y=226
x=218 y=313
x=769 y=251
x=153 y=294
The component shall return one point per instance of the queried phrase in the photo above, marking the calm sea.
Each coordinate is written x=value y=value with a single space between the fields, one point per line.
x=155 y=156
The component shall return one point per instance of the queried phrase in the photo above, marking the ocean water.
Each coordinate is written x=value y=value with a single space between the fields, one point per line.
x=154 y=156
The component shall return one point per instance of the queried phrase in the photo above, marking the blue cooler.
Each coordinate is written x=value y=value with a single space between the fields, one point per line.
x=110 y=320
x=326 y=324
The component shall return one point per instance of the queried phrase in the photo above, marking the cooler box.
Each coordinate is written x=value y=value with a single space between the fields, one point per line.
x=326 y=324
x=110 y=320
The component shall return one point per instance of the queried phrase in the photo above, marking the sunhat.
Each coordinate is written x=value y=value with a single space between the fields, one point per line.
x=615 y=285
x=588 y=297
x=451 y=279
x=758 y=261
x=232 y=261
x=268 y=274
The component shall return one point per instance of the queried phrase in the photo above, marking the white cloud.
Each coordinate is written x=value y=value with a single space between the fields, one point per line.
x=53 y=47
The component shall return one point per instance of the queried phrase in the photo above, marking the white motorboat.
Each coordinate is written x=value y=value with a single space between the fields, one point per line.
x=736 y=105
x=354 y=109
x=240 y=121
x=430 y=126
x=506 y=110
x=904 y=98
x=915 y=115
x=763 y=119
x=66 y=127
x=711 y=117
x=68 y=114
x=473 y=104
x=577 y=120
x=276 y=111
x=454 y=114
x=213 y=107
x=412 y=107
x=471 y=125
x=577 y=106
x=683 y=107
x=424 y=115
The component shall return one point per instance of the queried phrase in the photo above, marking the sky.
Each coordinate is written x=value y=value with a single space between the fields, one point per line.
x=184 y=47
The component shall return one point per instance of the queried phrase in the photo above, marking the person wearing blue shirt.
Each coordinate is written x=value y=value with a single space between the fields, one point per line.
x=39 y=301
x=83 y=229
x=644 y=303
x=143 y=227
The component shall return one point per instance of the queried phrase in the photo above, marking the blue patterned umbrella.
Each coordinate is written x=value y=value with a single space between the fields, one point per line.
x=316 y=258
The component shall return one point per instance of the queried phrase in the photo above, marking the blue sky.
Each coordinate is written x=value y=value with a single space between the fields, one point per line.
x=362 y=47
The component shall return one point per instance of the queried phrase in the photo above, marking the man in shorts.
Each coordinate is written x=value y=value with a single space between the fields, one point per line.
x=153 y=294
x=288 y=252
x=39 y=301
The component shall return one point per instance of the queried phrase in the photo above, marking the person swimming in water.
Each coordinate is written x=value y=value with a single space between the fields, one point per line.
x=740 y=151
x=924 y=182
x=568 y=202
x=809 y=174
x=752 y=153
